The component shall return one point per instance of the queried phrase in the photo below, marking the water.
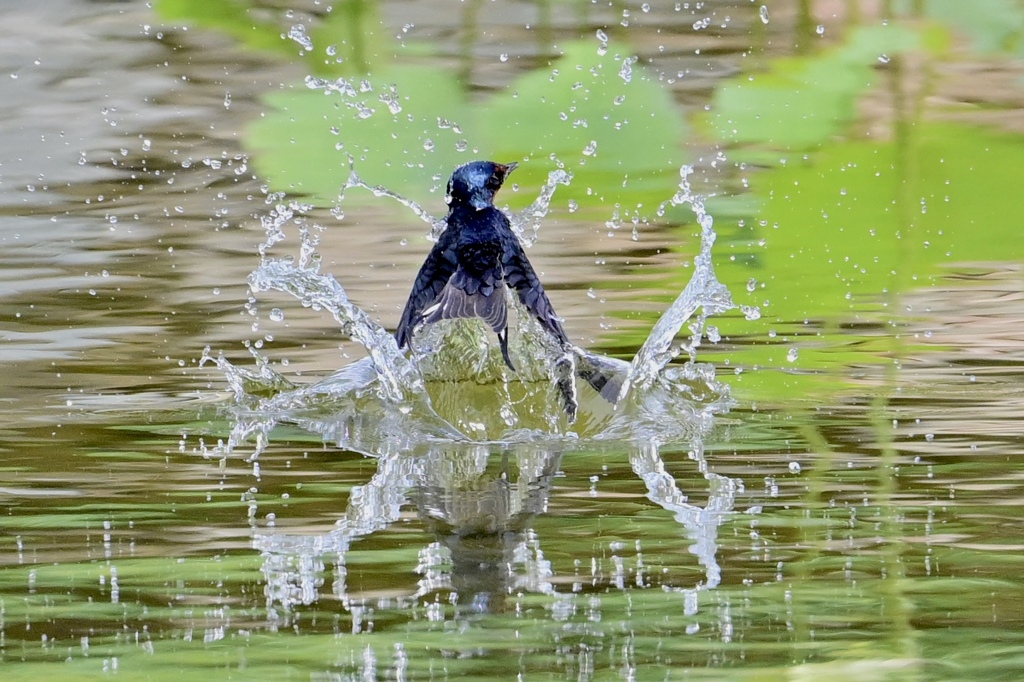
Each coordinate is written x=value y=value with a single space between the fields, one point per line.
x=831 y=490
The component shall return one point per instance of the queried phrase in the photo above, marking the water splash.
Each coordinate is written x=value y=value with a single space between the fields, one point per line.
x=703 y=292
x=526 y=223
x=437 y=225
x=299 y=35
x=397 y=377
x=432 y=422
x=626 y=71
x=450 y=381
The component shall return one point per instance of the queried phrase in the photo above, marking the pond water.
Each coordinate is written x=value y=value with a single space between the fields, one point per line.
x=201 y=472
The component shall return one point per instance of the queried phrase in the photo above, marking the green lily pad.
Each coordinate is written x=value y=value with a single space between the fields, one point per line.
x=991 y=25
x=804 y=101
x=608 y=120
x=304 y=143
x=846 y=232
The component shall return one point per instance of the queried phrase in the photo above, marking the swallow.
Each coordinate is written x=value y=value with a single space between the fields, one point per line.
x=476 y=260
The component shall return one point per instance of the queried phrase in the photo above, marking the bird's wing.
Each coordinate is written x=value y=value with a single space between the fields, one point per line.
x=519 y=275
x=437 y=269
x=456 y=301
x=464 y=297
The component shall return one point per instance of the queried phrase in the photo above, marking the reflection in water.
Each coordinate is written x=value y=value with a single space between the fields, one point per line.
x=701 y=524
x=485 y=547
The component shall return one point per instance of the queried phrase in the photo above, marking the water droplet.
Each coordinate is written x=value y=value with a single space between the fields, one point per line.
x=626 y=71
x=820 y=30
x=277 y=315
x=573 y=206
x=461 y=146
x=298 y=34
x=503 y=57
x=751 y=284
x=590 y=149
x=392 y=101
x=147 y=145
x=794 y=467
x=428 y=144
x=883 y=58
x=792 y=355
x=764 y=14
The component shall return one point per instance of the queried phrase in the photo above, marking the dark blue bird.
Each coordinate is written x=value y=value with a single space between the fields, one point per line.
x=474 y=261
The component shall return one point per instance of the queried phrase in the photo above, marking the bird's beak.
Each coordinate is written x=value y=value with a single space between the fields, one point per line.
x=507 y=168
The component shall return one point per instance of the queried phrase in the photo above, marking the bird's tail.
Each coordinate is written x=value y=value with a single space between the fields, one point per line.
x=604 y=374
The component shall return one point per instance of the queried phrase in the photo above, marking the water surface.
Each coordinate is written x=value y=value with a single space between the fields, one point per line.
x=847 y=507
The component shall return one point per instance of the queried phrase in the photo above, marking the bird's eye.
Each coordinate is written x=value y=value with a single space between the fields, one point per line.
x=493 y=183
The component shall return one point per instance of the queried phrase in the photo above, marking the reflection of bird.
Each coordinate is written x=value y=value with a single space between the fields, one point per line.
x=481 y=509
x=476 y=258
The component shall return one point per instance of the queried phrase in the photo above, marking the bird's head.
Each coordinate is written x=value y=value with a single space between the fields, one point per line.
x=476 y=182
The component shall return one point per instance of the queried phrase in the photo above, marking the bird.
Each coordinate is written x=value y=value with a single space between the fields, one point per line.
x=476 y=259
